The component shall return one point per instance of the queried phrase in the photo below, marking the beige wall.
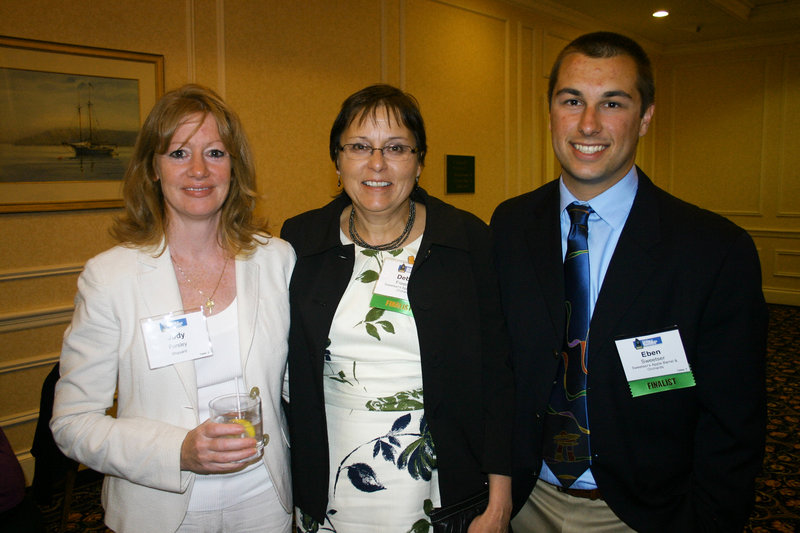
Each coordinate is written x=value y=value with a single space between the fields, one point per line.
x=478 y=68
x=723 y=140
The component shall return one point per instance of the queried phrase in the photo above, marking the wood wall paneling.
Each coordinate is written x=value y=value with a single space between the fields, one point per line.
x=718 y=165
x=789 y=155
x=456 y=65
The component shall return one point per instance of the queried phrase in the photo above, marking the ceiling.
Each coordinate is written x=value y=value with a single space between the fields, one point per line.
x=690 y=21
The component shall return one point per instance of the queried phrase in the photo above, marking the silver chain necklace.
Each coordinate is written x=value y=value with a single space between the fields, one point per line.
x=356 y=238
x=209 y=305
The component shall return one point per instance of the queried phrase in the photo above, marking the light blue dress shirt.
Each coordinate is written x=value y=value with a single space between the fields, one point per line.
x=611 y=209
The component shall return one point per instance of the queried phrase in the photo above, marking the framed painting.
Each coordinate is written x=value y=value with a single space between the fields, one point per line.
x=70 y=119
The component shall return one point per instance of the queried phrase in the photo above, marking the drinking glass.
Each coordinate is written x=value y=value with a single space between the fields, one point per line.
x=244 y=410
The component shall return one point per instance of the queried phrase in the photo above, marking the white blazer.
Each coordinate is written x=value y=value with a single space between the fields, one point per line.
x=104 y=351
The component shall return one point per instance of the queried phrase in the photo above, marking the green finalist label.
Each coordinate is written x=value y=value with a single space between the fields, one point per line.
x=398 y=305
x=642 y=387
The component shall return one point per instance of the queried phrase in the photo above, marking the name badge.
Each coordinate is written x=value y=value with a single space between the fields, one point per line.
x=391 y=289
x=655 y=363
x=175 y=338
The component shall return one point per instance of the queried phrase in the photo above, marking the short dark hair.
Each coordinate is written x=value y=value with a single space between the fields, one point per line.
x=603 y=44
x=365 y=103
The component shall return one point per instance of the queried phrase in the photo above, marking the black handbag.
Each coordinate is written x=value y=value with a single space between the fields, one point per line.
x=456 y=518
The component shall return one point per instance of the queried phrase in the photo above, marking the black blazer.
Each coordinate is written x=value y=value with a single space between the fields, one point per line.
x=466 y=374
x=680 y=460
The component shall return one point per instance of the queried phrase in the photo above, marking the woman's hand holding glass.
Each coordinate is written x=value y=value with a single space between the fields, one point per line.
x=210 y=449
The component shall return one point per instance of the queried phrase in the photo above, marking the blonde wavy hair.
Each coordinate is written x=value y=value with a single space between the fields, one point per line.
x=144 y=222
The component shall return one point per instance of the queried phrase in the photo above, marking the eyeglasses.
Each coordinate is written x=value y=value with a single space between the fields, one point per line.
x=392 y=152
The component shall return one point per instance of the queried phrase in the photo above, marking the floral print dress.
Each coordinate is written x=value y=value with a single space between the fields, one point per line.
x=383 y=466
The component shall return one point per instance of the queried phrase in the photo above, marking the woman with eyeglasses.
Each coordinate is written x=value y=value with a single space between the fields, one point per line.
x=399 y=382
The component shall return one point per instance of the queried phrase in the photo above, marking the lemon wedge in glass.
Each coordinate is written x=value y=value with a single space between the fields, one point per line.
x=248 y=427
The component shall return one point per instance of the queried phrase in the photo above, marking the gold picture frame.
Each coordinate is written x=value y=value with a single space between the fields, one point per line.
x=44 y=162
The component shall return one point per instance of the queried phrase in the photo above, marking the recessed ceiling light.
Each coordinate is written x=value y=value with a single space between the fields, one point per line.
x=661 y=14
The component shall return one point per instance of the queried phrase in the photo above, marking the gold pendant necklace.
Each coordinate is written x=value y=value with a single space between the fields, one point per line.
x=209 y=305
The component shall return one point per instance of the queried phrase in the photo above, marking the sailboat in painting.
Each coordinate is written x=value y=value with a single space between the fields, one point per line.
x=88 y=147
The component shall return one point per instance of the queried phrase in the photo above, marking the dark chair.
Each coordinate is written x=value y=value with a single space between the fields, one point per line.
x=51 y=468
x=18 y=512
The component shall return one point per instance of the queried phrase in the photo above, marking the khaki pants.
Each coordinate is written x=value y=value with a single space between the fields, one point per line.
x=550 y=511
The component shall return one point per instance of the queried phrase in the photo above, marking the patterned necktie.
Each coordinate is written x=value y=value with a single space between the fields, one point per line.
x=566 y=426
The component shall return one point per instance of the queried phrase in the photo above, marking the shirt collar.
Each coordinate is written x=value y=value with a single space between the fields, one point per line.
x=612 y=205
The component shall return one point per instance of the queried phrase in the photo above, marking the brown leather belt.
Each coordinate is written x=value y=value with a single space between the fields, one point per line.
x=590 y=494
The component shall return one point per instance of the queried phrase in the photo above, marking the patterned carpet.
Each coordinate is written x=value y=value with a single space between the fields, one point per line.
x=85 y=511
x=778 y=489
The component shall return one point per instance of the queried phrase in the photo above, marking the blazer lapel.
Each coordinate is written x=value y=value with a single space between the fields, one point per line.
x=327 y=290
x=161 y=295
x=158 y=284
x=635 y=258
x=544 y=243
x=247 y=291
